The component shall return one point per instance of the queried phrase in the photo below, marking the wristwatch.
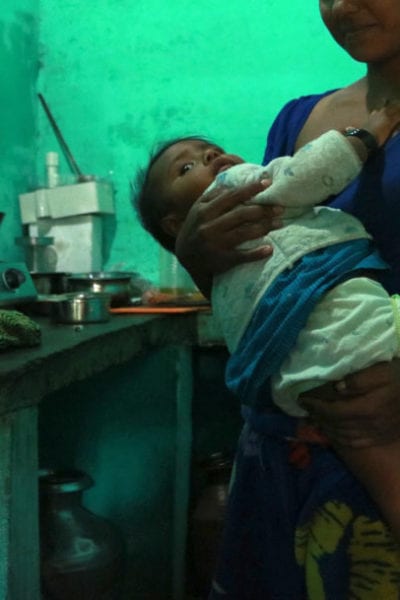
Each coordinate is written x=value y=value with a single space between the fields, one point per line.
x=366 y=137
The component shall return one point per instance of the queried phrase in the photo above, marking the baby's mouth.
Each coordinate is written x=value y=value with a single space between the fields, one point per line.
x=222 y=163
x=224 y=168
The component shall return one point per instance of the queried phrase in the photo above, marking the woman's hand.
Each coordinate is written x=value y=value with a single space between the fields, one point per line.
x=217 y=223
x=360 y=411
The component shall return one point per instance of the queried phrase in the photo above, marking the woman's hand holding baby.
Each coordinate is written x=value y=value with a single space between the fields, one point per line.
x=360 y=411
x=217 y=223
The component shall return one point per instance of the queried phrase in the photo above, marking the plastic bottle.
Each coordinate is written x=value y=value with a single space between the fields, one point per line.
x=52 y=163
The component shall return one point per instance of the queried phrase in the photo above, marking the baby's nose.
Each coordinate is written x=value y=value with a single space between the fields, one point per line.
x=345 y=6
x=210 y=154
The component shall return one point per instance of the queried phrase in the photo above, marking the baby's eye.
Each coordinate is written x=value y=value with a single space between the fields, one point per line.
x=186 y=167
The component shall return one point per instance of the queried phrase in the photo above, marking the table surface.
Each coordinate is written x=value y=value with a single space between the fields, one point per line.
x=71 y=353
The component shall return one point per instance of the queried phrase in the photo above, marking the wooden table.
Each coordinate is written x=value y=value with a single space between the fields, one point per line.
x=68 y=354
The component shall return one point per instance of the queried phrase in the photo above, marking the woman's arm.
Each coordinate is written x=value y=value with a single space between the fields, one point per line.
x=362 y=410
x=361 y=417
x=217 y=223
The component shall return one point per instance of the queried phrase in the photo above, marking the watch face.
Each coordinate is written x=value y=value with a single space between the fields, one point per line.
x=352 y=131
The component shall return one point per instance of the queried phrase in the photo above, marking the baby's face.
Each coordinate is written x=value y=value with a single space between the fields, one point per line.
x=187 y=168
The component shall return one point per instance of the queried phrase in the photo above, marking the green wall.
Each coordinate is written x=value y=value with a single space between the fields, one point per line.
x=18 y=73
x=121 y=75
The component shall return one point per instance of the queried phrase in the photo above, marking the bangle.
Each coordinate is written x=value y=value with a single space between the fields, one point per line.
x=366 y=137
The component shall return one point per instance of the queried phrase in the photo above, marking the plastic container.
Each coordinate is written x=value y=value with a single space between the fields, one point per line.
x=173 y=278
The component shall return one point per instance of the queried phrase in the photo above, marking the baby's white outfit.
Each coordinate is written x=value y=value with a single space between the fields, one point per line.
x=356 y=323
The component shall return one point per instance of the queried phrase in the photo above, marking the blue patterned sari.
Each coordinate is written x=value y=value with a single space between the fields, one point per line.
x=299 y=526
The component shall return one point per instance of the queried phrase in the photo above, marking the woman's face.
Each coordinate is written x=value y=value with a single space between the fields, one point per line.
x=369 y=30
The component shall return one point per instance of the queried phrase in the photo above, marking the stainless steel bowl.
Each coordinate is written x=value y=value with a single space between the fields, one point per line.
x=118 y=284
x=81 y=308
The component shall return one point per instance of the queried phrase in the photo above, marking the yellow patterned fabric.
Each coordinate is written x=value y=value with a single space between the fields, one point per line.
x=373 y=556
x=301 y=530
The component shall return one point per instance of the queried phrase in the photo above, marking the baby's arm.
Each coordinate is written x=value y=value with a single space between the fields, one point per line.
x=318 y=170
x=325 y=166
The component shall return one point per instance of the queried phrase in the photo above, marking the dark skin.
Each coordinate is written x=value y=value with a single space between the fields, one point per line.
x=217 y=223
x=364 y=409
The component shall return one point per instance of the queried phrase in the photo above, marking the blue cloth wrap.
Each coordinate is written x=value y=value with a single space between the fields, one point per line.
x=283 y=311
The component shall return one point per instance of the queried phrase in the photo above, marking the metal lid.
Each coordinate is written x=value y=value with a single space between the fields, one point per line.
x=102 y=275
x=54 y=481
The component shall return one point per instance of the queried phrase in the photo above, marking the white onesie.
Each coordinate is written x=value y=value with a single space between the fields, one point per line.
x=356 y=323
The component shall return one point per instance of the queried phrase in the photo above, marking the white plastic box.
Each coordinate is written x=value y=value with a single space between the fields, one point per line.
x=74 y=216
x=90 y=197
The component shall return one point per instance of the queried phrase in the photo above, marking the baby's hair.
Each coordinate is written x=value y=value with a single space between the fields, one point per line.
x=147 y=198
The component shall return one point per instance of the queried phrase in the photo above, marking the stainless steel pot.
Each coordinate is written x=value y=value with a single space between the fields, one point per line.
x=81 y=308
x=118 y=284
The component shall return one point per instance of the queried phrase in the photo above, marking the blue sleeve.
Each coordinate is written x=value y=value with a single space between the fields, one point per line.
x=285 y=129
x=373 y=197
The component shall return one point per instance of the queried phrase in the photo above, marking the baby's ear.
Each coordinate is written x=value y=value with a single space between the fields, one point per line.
x=171 y=224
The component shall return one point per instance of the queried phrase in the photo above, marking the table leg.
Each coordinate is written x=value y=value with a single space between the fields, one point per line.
x=183 y=449
x=19 y=527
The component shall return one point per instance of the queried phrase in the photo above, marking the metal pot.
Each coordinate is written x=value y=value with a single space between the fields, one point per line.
x=117 y=284
x=81 y=308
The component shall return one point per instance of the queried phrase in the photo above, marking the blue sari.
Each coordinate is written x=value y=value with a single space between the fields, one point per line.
x=299 y=526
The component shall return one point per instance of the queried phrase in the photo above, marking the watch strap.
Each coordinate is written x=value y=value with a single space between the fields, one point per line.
x=366 y=137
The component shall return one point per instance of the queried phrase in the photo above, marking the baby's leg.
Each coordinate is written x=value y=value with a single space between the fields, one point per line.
x=378 y=469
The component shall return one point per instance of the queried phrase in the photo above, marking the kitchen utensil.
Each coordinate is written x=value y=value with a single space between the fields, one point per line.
x=116 y=283
x=81 y=308
x=67 y=152
x=39 y=254
x=50 y=283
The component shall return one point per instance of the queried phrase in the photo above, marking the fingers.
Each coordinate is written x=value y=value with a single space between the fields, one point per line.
x=360 y=411
x=223 y=217
x=225 y=198
x=210 y=239
x=359 y=421
x=366 y=380
x=244 y=256
x=345 y=429
x=244 y=223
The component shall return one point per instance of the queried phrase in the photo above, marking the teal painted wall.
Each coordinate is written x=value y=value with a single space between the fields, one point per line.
x=120 y=75
x=18 y=111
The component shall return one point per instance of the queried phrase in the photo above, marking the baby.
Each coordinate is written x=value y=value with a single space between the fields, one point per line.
x=313 y=311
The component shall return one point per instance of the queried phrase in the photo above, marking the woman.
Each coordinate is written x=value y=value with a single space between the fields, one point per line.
x=306 y=529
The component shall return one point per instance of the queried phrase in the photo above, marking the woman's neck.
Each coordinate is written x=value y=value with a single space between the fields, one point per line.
x=382 y=83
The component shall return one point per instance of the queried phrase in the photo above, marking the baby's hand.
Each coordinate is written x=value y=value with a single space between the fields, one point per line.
x=383 y=121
